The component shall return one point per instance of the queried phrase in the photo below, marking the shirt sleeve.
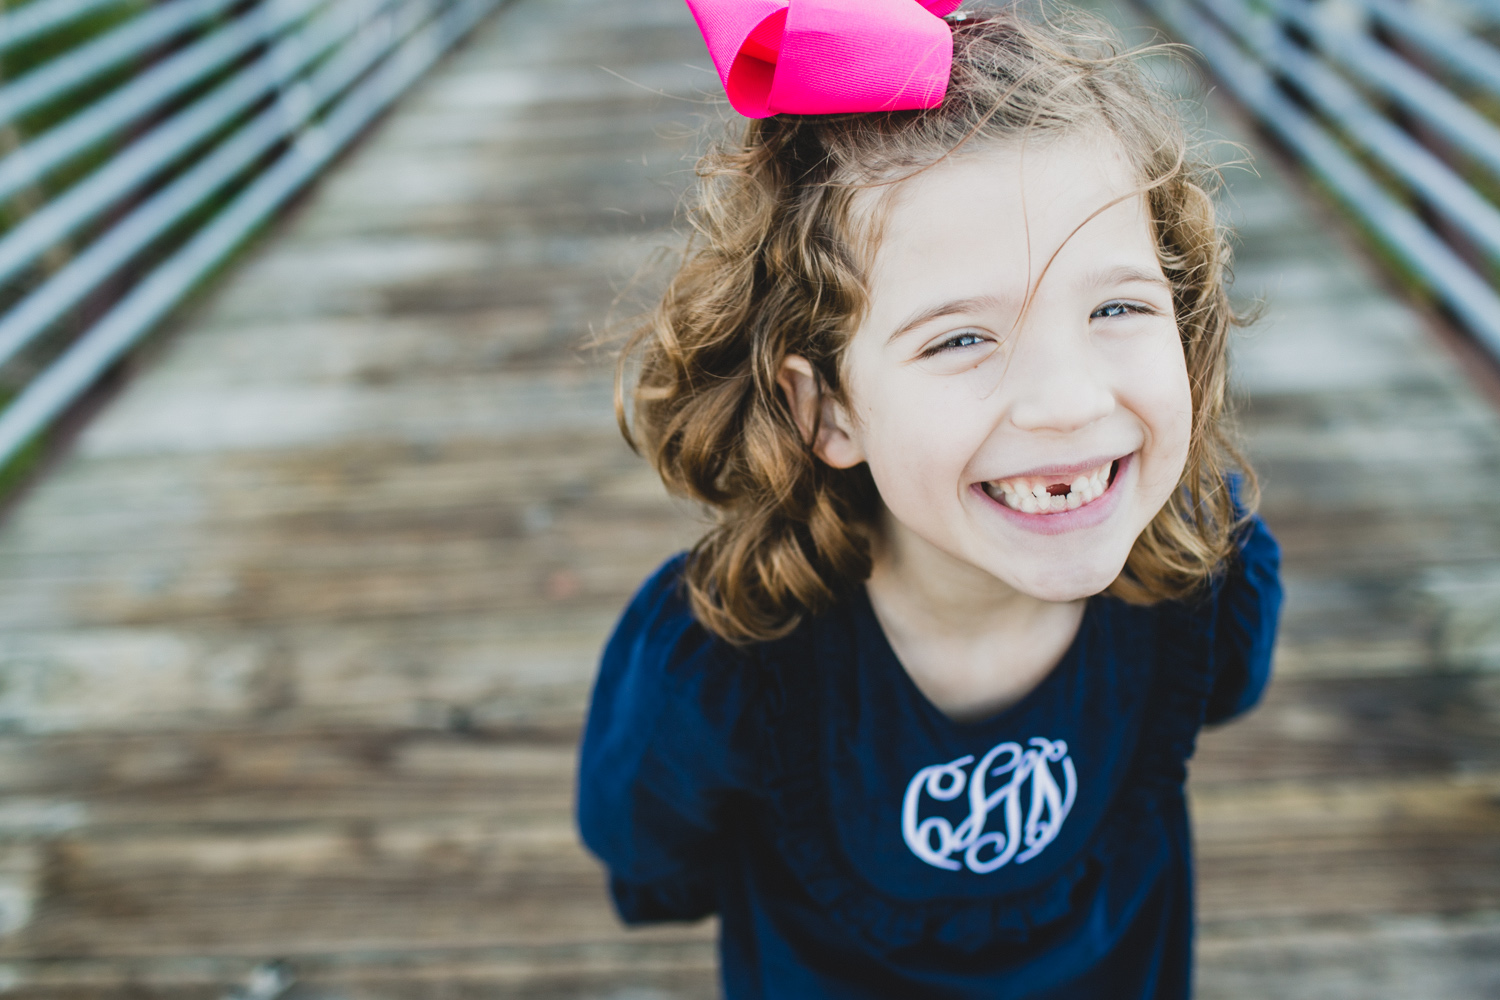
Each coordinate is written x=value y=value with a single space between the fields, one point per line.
x=667 y=746
x=1248 y=612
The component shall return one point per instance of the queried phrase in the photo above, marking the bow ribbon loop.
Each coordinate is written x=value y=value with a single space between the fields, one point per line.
x=808 y=57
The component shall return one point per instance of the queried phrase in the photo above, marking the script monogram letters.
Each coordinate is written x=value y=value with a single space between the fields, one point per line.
x=936 y=841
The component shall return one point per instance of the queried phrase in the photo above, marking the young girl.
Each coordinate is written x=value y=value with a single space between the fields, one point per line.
x=947 y=359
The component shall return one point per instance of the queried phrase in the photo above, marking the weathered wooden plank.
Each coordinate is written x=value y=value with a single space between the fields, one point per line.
x=221 y=777
x=454 y=529
x=1364 y=542
x=1360 y=727
x=357 y=480
x=374 y=882
x=1392 y=960
x=1382 y=958
x=1300 y=849
x=648 y=965
x=1349 y=960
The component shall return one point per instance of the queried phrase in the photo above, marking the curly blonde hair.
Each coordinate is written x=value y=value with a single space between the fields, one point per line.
x=772 y=269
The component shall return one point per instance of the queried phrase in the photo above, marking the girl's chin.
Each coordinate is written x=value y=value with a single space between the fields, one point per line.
x=1063 y=592
x=1060 y=577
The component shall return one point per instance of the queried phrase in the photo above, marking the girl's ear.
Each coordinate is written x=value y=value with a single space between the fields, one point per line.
x=816 y=413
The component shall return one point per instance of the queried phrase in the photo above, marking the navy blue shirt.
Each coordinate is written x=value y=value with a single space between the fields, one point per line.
x=856 y=842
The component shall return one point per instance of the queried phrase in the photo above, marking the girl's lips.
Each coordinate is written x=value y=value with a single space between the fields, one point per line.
x=1058 y=522
x=1059 y=489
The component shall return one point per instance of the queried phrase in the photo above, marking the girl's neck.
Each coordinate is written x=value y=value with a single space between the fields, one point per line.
x=971 y=643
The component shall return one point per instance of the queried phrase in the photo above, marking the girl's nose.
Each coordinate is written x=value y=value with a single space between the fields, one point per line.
x=1056 y=382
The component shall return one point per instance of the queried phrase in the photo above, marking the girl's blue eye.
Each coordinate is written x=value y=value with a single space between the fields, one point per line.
x=1112 y=309
x=966 y=339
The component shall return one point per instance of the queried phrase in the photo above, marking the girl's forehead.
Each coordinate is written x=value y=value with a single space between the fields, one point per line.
x=1005 y=202
x=1031 y=177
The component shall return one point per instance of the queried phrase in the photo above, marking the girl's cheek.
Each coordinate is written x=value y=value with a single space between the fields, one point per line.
x=1168 y=406
x=914 y=451
x=1156 y=375
x=921 y=430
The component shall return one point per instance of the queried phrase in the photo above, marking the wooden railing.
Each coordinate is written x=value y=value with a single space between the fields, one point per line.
x=141 y=144
x=1393 y=105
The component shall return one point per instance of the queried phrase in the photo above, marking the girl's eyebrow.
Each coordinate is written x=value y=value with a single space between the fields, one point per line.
x=980 y=303
x=973 y=304
x=1130 y=272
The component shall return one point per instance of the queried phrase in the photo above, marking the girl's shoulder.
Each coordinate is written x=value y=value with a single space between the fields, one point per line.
x=1257 y=551
x=1241 y=605
x=1253 y=591
x=658 y=634
x=668 y=687
x=1247 y=613
x=670 y=738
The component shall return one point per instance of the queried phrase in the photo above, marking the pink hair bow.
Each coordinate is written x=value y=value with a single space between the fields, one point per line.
x=808 y=57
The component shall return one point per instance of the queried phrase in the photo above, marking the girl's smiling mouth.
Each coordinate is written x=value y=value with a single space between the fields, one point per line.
x=1053 y=490
x=1059 y=498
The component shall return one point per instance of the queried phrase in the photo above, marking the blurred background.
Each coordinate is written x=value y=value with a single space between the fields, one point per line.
x=315 y=514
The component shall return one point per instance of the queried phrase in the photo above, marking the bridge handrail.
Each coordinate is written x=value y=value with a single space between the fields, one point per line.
x=1337 y=82
x=43 y=16
x=227 y=126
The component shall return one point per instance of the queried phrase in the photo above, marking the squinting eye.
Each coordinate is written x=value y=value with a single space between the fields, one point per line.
x=955 y=341
x=1112 y=309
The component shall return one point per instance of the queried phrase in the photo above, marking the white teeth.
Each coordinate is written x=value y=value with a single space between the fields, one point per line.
x=1028 y=495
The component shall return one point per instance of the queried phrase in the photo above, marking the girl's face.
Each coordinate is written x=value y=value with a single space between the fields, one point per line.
x=1032 y=443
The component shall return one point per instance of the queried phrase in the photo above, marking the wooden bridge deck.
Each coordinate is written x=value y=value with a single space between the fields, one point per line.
x=295 y=641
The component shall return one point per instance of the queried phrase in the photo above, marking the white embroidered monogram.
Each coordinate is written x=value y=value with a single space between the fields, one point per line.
x=935 y=840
